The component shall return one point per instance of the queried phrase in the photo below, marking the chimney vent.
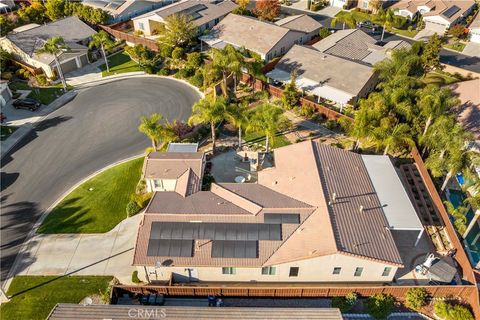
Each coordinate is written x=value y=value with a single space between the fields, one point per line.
x=361 y=208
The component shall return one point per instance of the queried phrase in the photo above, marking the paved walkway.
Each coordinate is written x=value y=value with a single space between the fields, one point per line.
x=108 y=253
x=305 y=129
x=472 y=49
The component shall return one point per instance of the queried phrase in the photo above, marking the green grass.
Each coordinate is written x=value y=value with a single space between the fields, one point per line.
x=33 y=297
x=253 y=137
x=99 y=210
x=405 y=32
x=457 y=46
x=439 y=78
x=357 y=15
x=119 y=63
x=6 y=131
x=45 y=95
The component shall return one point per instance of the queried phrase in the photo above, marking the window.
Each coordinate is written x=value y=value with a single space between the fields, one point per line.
x=228 y=270
x=358 y=272
x=386 y=271
x=337 y=270
x=293 y=272
x=268 y=271
x=158 y=183
x=141 y=26
x=365 y=4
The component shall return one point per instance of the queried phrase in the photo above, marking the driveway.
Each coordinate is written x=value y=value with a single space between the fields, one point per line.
x=97 y=128
x=472 y=49
x=67 y=254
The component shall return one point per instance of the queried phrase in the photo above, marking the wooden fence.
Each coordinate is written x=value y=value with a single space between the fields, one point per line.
x=120 y=35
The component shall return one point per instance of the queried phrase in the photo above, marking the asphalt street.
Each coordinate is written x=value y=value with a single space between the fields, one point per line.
x=97 y=128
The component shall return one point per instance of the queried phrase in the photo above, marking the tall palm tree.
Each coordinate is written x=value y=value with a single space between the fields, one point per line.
x=392 y=136
x=55 y=46
x=457 y=160
x=387 y=22
x=346 y=19
x=151 y=127
x=227 y=61
x=238 y=116
x=269 y=120
x=102 y=39
x=459 y=214
x=209 y=111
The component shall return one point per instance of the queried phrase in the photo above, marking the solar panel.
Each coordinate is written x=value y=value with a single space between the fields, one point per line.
x=281 y=218
x=216 y=231
x=170 y=248
x=451 y=11
x=234 y=249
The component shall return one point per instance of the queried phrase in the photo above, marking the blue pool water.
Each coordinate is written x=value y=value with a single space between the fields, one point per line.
x=460 y=179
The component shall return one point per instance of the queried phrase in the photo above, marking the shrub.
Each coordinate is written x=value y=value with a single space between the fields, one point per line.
x=135 y=278
x=183 y=73
x=163 y=72
x=331 y=124
x=345 y=304
x=141 y=199
x=194 y=60
x=7 y=75
x=166 y=51
x=446 y=311
x=138 y=33
x=22 y=73
x=416 y=298
x=197 y=79
x=181 y=128
x=177 y=53
x=132 y=208
x=380 y=305
x=399 y=22
x=324 y=32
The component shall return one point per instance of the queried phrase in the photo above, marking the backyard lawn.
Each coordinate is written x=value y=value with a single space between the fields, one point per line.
x=33 y=297
x=45 y=95
x=120 y=63
x=259 y=138
x=97 y=205
x=6 y=131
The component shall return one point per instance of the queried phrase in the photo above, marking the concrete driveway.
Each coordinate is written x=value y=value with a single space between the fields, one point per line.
x=108 y=253
x=97 y=128
x=472 y=49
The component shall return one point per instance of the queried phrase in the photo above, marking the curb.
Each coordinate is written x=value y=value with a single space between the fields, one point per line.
x=11 y=274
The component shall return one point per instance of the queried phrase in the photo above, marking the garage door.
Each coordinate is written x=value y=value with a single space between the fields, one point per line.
x=338 y=3
x=84 y=60
x=435 y=27
x=69 y=66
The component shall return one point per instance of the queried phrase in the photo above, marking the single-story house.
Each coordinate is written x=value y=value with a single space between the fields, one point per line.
x=121 y=10
x=269 y=40
x=5 y=93
x=332 y=221
x=23 y=43
x=356 y=45
x=204 y=14
x=342 y=84
x=360 y=4
x=180 y=169
x=474 y=29
x=302 y=23
x=410 y=8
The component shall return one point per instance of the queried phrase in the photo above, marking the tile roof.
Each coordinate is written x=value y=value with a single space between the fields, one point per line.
x=301 y=22
x=172 y=165
x=317 y=66
x=440 y=7
x=253 y=34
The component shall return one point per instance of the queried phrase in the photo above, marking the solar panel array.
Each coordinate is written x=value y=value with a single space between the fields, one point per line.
x=281 y=218
x=215 y=231
x=451 y=11
x=234 y=249
x=170 y=248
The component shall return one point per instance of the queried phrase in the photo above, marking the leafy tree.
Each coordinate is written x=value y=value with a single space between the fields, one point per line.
x=267 y=9
x=243 y=3
x=194 y=60
x=324 y=32
x=177 y=53
x=446 y=311
x=345 y=19
x=431 y=53
x=380 y=305
x=345 y=304
x=5 y=57
x=457 y=31
x=269 y=120
x=34 y=13
x=54 y=9
x=55 y=46
x=209 y=111
x=238 y=115
x=291 y=95
x=416 y=298
x=6 y=25
x=139 y=53
x=178 y=31
x=102 y=40
x=226 y=61
x=374 y=5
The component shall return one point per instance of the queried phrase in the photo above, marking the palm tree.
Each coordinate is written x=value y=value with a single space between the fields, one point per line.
x=456 y=161
x=269 y=120
x=238 y=116
x=392 y=136
x=227 y=61
x=55 y=46
x=389 y=15
x=346 y=19
x=209 y=111
x=459 y=214
x=102 y=39
x=151 y=127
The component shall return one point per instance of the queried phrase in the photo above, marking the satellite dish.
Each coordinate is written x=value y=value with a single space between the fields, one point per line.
x=88 y=301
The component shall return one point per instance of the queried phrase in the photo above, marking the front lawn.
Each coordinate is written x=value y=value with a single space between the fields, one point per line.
x=253 y=137
x=405 y=32
x=119 y=63
x=45 y=95
x=457 y=46
x=6 y=131
x=33 y=297
x=97 y=205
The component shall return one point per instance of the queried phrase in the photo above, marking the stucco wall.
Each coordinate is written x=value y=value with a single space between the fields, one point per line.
x=318 y=269
x=286 y=42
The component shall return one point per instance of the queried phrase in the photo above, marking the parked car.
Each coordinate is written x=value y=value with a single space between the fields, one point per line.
x=27 y=103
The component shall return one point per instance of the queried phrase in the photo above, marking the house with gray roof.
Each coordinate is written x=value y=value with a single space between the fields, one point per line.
x=268 y=40
x=123 y=10
x=317 y=224
x=24 y=43
x=203 y=13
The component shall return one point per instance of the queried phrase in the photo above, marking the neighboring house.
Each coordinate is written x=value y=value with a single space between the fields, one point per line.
x=469 y=94
x=121 y=10
x=180 y=169
x=204 y=14
x=302 y=23
x=328 y=77
x=321 y=214
x=5 y=93
x=356 y=45
x=23 y=43
x=474 y=29
x=350 y=4
x=267 y=39
x=411 y=8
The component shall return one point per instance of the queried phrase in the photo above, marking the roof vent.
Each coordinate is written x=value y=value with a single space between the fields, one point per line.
x=197 y=245
x=361 y=208
x=274 y=183
x=324 y=57
x=292 y=178
x=334 y=197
